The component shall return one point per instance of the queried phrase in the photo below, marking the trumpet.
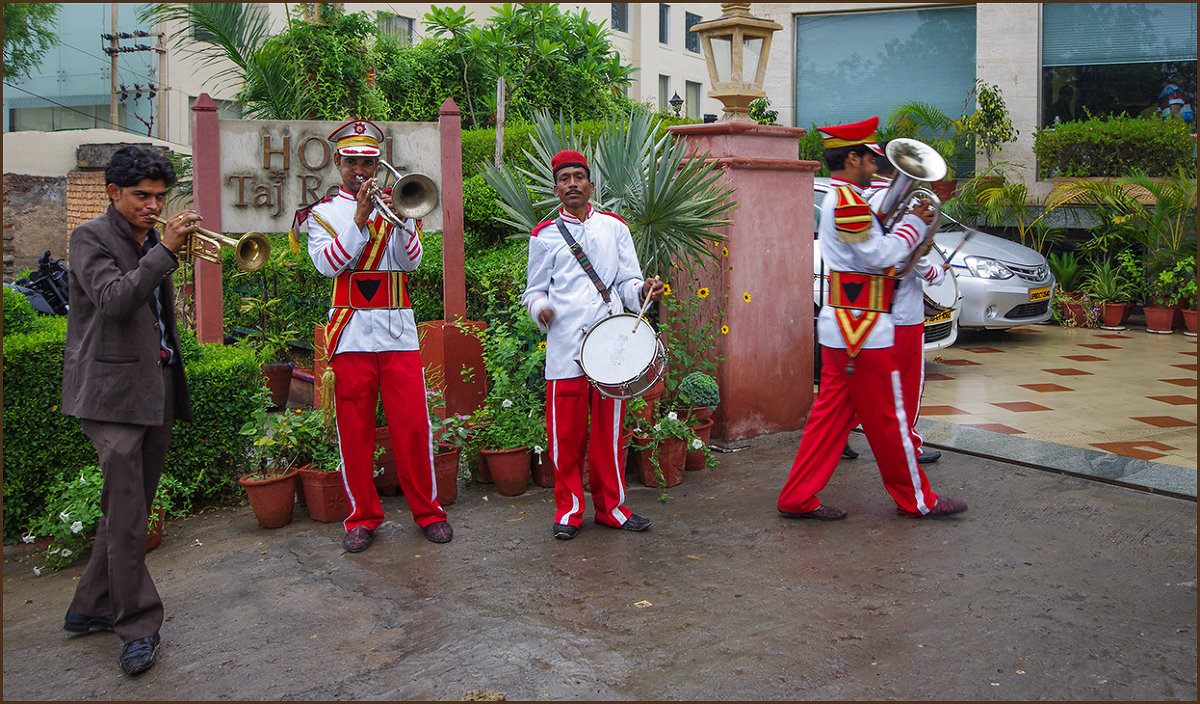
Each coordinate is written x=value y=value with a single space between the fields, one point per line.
x=414 y=196
x=250 y=251
x=914 y=162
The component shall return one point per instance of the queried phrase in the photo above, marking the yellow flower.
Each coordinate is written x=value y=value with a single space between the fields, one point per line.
x=746 y=296
x=542 y=345
x=702 y=293
x=724 y=329
x=716 y=243
x=724 y=251
x=666 y=289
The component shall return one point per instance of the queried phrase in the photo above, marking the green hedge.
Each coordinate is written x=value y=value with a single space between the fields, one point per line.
x=43 y=447
x=1115 y=146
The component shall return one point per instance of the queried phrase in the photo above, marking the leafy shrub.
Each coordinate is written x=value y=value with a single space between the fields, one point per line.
x=698 y=389
x=1114 y=146
x=481 y=212
x=19 y=315
x=416 y=80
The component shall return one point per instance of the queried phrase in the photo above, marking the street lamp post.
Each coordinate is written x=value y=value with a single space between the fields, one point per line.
x=736 y=46
x=676 y=103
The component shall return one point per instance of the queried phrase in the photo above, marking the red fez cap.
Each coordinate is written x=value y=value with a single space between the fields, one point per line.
x=569 y=157
x=851 y=135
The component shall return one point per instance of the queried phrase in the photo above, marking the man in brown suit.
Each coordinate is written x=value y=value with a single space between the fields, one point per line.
x=123 y=377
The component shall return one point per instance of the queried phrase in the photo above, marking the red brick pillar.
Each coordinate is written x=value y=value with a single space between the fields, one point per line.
x=206 y=198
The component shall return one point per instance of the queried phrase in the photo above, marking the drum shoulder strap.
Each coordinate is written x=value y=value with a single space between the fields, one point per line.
x=582 y=259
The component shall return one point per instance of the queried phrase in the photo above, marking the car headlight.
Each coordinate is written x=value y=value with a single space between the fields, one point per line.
x=986 y=268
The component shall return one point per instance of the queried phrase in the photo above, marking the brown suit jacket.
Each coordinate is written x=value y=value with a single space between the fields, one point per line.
x=111 y=364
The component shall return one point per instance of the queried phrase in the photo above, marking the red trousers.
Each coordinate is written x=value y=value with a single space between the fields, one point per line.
x=362 y=377
x=872 y=395
x=568 y=403
x=909 y=350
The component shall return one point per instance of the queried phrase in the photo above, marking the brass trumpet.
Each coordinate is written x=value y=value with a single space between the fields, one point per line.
x=250 y=251
x=413 y=196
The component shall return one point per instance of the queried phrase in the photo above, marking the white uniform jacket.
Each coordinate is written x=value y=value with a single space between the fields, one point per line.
x=337 y=248
x=908 y=307
x=555 y=279
x=874 y=255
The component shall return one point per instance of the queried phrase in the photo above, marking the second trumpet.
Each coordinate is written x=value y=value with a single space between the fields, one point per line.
x=250 y=251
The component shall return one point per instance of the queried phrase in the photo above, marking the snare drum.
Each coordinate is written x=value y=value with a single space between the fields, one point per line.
x=942 y=296
x=619 y=362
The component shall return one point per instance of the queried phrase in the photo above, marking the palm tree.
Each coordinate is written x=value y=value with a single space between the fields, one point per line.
x=674 y=203
x=237 y=33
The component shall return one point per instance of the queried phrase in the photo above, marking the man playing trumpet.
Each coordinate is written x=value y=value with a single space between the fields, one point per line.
x=371 y=339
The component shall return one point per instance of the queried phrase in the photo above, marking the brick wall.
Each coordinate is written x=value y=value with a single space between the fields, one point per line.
x=35 y=219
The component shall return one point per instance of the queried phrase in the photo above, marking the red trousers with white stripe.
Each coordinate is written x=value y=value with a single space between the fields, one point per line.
x=872 y=395
x=568 y=404
x=909 y=350
x=362 y=377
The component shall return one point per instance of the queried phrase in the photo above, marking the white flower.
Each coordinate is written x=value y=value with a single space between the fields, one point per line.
x=672 y=416
x=28 y=538
x=537 y=449
x=82 y=480
x=657 y=427
x=66 y=552
x=76 y=526
x=64 y=516
x=37 y=571
x=697 y=444
x=506 y=403
x=55 y=551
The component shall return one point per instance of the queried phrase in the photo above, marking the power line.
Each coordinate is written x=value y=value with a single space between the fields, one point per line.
x=117 y=127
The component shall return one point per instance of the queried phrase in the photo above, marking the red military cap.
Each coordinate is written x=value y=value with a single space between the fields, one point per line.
x=569 y=157
x=852 y=134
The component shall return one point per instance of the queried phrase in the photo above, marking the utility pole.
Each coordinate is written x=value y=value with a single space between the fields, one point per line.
x=112 y=52
x=119 y=92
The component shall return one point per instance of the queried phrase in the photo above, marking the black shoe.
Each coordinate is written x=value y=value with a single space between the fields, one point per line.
x=636 y=523
x=928 y=456
x=824 y=512
x=358 y=539
x=849 y=453
x=80 y=624
x=562 y=531
x=139 y=655
x=439 y=532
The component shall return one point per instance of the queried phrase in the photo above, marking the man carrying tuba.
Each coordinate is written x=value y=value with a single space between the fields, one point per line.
x=859 y=377
x=371 y=338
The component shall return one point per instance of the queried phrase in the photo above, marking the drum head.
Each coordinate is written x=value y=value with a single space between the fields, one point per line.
x=612 y=353
x=944 y=294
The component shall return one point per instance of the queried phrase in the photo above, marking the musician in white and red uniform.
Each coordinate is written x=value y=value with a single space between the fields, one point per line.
x=908 y=315
x=564 y=301
x=859 y=377
x=371 y=339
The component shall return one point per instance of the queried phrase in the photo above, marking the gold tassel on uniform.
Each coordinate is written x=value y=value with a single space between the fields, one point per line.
x=328 y=379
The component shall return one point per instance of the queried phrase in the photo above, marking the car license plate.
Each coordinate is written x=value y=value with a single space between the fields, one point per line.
x=1039 y=294
x=939 y=317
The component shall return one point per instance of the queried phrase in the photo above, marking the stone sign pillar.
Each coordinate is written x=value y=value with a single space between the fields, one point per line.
x=206 y=197
x=766 y=372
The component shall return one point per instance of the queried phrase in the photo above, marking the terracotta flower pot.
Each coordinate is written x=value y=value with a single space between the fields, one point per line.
x=445 y=473
x=155 y=534
x=272 y=500
x=698 y=415
x=1159 y=320
x=651 y=397
x=696 y=458
x=278 y=377
x=1074 y=315
x=1189 y=323
x=543 y=470
x=672 y=458
x=509 y=469
x=1112 y=316
x=325 y=495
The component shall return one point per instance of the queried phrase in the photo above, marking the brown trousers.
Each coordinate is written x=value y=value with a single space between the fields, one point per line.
x=116 y=580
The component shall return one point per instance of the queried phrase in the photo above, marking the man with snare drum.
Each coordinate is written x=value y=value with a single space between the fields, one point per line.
x=582 y=269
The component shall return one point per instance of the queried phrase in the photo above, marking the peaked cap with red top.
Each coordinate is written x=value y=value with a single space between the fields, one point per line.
x=852 y=134
x=357 y=138
x=569 y=157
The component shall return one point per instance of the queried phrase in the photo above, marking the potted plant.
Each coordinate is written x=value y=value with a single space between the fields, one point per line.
x=1187 y=294
x=1162 y=299
x=660 y=450
x=1076 y=310
x=273 y=338
x=515 y=426
x=450 y=434
x=697 y=396
x=1108 y=287
x=321 y=482
x=1068 y=269
x=275 y=455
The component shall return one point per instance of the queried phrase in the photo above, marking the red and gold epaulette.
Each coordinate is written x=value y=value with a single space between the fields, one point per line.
x=851 y=216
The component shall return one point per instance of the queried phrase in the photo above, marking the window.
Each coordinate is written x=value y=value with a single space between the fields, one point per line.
x=620 y=16
x=837 y=82
x=1112 y=58
x=396 y=26
x=664 y=92
x=691 y=105
x=691 y=40
x=664 y=24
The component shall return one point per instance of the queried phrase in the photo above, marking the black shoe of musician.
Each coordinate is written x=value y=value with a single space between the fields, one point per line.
x=79 y=624
x=848 y=452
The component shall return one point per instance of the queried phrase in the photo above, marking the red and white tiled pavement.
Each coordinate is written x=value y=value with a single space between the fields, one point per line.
x=1130 y=393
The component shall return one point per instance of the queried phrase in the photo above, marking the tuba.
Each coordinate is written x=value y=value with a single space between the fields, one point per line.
x=914 y=162
x=413 y=196
x=250 y=251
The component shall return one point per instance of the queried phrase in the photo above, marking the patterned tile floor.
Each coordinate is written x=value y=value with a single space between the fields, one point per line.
x=1130 y=393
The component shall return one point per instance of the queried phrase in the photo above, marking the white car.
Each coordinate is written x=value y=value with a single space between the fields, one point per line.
x=941 y=300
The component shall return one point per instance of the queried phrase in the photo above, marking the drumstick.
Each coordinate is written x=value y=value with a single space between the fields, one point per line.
x=645 y=303
x=960 y=244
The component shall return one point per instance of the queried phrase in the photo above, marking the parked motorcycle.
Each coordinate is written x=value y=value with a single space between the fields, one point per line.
x=47 y=288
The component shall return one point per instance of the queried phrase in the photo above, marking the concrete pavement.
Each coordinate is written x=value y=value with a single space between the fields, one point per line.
x=1050 y=587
